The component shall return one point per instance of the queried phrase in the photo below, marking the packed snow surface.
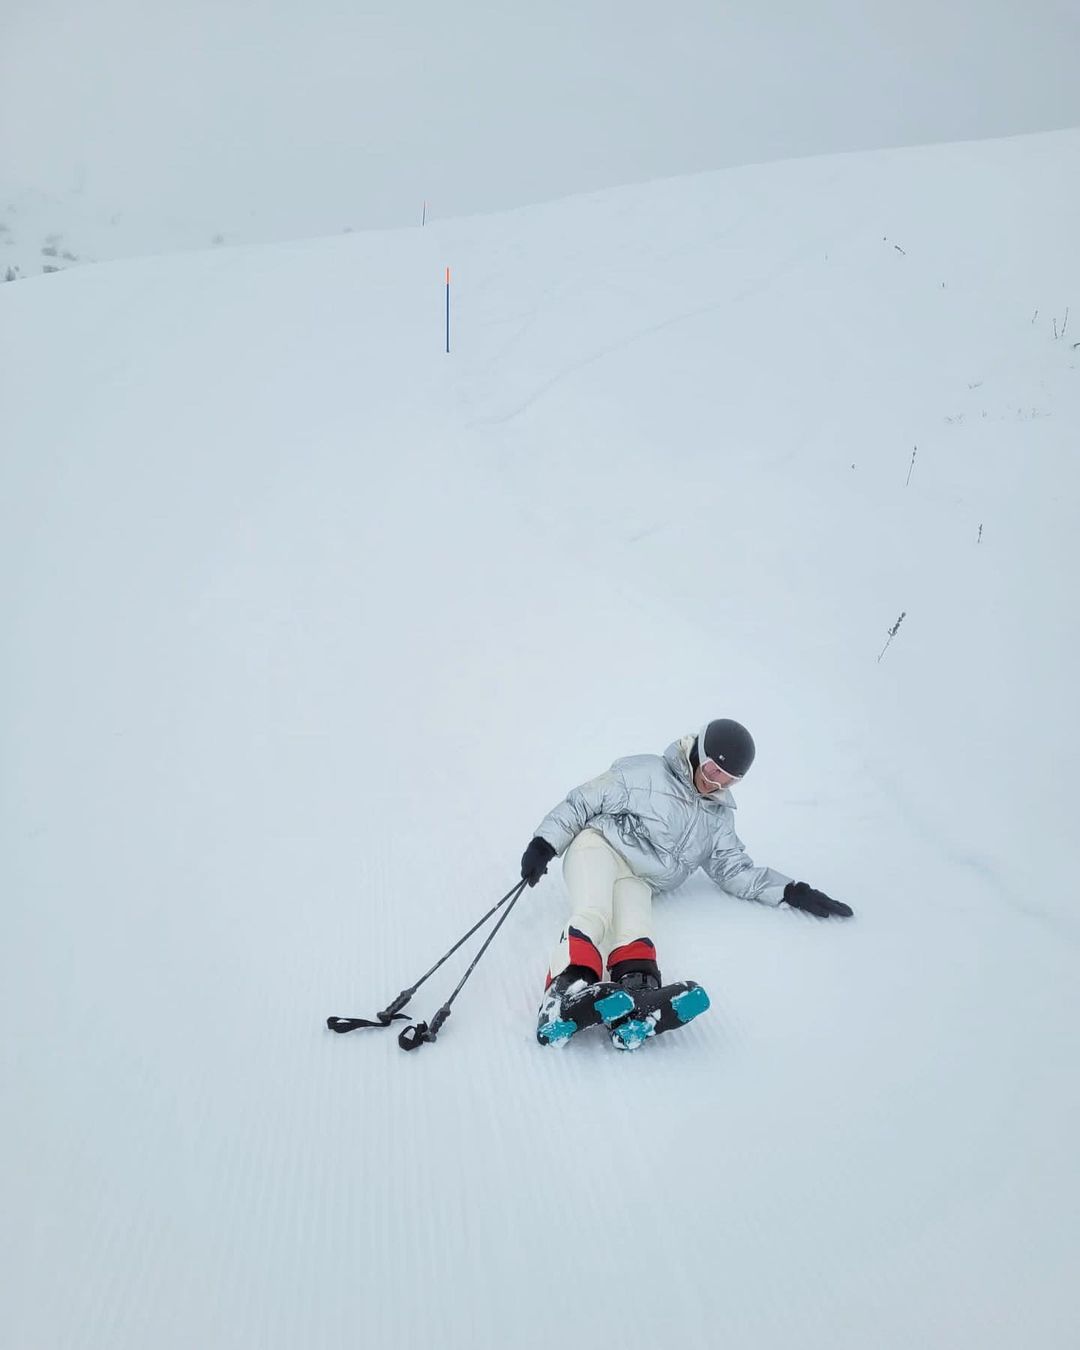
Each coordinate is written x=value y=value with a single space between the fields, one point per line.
x=307 y=623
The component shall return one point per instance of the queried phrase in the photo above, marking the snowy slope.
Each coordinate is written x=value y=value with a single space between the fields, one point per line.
x=305 y=626
x=43 y=232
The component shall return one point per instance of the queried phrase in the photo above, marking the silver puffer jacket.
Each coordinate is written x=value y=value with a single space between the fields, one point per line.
x=648 y=810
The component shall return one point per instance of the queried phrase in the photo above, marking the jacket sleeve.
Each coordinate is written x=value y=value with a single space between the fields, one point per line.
x=731 y=867
x=601 y=796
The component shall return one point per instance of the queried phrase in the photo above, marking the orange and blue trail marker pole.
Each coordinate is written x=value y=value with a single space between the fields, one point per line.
x=448 y=310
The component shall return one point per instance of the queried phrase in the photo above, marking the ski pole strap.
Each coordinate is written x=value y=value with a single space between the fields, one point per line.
x=412 y=1038
x=354 y=1023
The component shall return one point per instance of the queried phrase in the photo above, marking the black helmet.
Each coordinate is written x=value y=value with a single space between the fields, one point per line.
x=727 y=743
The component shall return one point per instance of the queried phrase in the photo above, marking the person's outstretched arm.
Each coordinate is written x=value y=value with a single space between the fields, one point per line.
x=599 y=796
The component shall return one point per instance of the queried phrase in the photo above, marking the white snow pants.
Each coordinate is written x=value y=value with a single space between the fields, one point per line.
x=611 y=909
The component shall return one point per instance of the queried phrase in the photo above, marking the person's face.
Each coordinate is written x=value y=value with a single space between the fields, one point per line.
x=709 y=777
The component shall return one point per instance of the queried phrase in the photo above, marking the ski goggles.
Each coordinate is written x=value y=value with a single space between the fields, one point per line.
x=715 y=774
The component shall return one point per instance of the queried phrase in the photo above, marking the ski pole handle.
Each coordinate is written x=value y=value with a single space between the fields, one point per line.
x=387 y=1014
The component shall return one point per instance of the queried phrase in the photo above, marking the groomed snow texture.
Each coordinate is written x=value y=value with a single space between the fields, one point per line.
x=306 y=624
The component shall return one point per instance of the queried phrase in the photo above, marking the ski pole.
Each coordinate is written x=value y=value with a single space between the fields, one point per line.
x=392 y=1012
x=411 y=1038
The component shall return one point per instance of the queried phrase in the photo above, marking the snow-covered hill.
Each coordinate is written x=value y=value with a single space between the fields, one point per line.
x=305 y=626
x=46 y=232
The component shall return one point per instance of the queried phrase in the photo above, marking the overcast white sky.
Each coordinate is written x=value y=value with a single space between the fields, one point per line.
x=326 y=113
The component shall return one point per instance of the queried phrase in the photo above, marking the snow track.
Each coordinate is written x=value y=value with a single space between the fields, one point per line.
x=307 y=625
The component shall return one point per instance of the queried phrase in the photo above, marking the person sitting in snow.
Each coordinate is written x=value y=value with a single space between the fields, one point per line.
x=645 y=826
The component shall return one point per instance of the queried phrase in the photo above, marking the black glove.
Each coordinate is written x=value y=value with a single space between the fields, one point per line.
x=535 y=859
x=801 y=896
